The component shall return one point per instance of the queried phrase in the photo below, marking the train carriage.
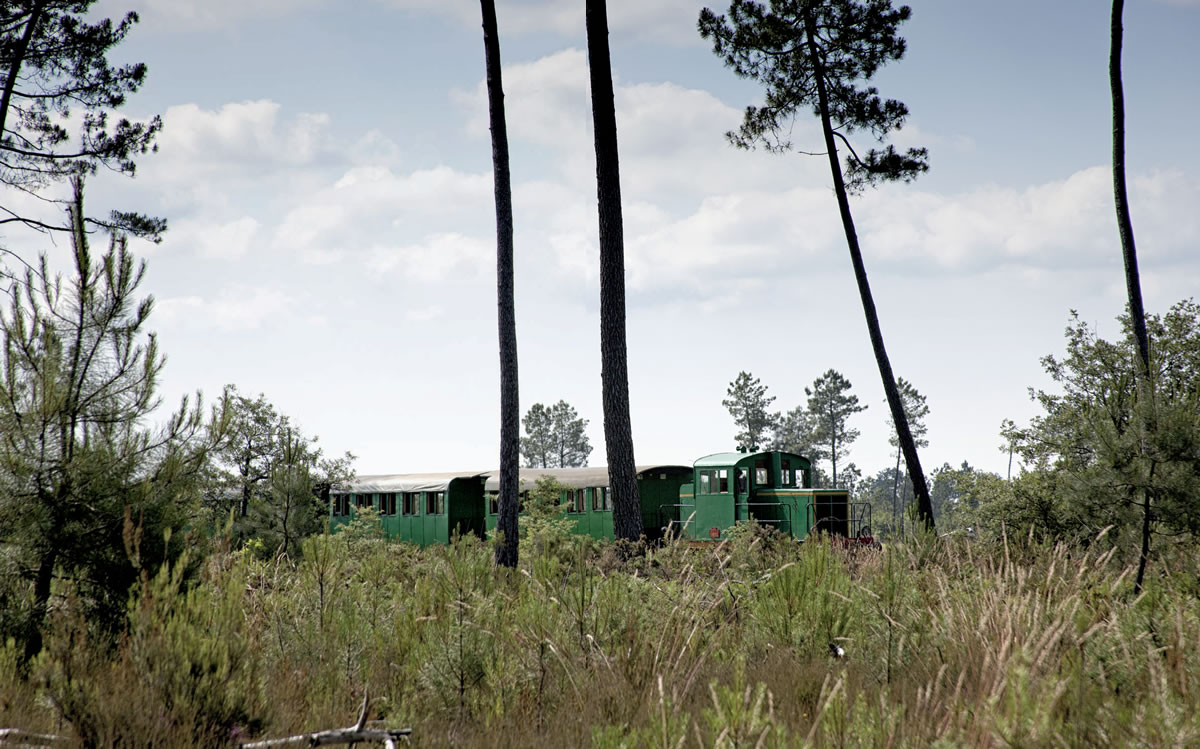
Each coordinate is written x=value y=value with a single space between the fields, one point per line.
x=423 y=509
x=588 y=501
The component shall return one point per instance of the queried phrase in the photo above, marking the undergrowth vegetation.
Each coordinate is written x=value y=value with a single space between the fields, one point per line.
x=962 y=643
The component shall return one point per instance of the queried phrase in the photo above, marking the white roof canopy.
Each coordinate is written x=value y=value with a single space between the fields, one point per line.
x=575 y=478
x=405 y=482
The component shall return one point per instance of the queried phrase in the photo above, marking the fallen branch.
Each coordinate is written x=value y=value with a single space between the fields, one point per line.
x=387 y=737
x=16 y=734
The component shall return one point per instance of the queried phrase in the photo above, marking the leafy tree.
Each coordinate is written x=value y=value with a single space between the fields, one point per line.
x=510 y=408
x=916 y=410
x=876 y=490
x=272 y=477
x=852 y=479
x=545 y=528
x=1093 y=464
x=748 y=404
x=831 y=406
x=556 y=437
x=794 y=433
x=963 y=496
x=817 y=55
x=1008 y=429
x=89 y=495
x=614 y=369
x=54 y=60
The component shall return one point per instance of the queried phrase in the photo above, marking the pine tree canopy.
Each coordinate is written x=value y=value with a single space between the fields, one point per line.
x=791 y=45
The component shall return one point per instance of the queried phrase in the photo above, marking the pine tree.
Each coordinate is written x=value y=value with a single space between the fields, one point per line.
x=1133 y=283
x=56 y=76
x=89 y=494
x=812 y=56
x=555 y=437
x=831 y=406
x=614 y=369
x=510 y=432
x=748 y=404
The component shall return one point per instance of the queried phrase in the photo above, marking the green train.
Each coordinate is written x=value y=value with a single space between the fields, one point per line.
x=700 y=503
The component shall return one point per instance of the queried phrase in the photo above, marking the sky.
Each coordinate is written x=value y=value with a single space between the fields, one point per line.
x=325 y=167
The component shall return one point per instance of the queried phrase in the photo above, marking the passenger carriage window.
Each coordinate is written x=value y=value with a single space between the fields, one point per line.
x=575 y=500
x=408 y=503
x=597 y=501
x=435 y=503
x=493 y=503
x=391 y=503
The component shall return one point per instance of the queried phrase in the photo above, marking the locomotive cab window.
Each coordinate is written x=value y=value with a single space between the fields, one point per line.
x=493 y=503
x=714 y=481
x=762 y=476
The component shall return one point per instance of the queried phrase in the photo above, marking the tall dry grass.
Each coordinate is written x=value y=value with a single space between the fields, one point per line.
x=947 y=643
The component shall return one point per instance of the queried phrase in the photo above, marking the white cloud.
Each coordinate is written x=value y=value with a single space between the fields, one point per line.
x=430 y=221
x=439 y=257
x=246 y=135
x=229 y=240
x=1065 y=223
x=240 y=309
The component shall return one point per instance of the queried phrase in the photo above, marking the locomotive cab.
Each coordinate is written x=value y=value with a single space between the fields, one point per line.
x=772 y=488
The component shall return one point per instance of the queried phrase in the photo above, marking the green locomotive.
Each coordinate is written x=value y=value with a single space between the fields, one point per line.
x=700 y=502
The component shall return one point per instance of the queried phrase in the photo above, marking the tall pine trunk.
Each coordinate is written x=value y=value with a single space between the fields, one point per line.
x=614 y=372
x=42 y=584
x=510 y=419
x=896 y=489
x=1133 y=282
x=903 y=433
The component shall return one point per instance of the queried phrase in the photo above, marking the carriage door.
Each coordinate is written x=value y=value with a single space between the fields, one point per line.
x=741 y=494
